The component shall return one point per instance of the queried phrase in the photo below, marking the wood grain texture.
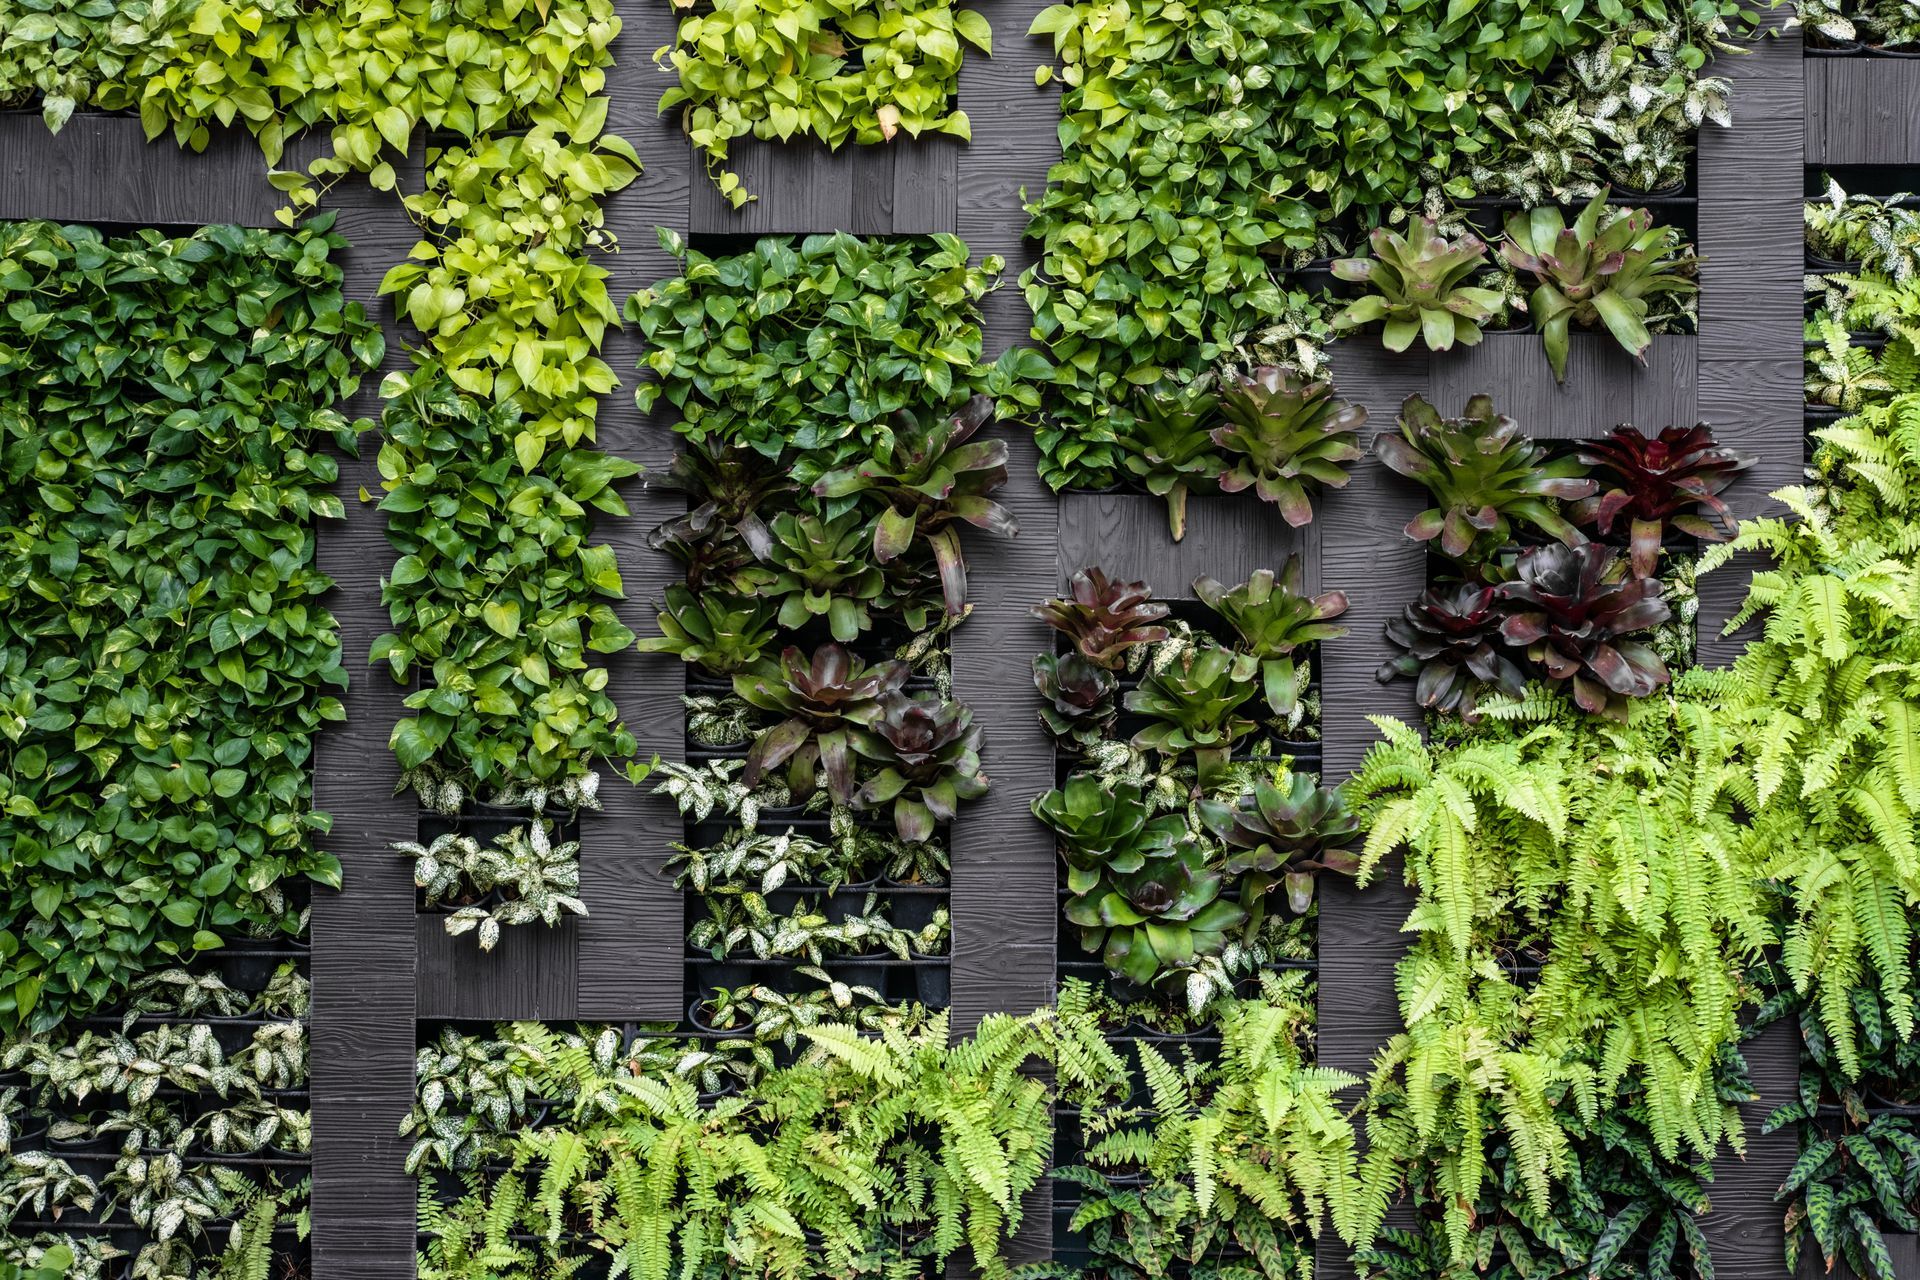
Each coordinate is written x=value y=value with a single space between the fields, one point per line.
x=631 y=939
x=1366 y=553
x=1862 y=110
x=363 y=937
x=1003 y=869
x=1004 y=911
x=1605 y=386
x=1228 y=537
x=528 y=974
x=1744 y=1228
x=1750 y=234
x=101 y=168
x=903 y=187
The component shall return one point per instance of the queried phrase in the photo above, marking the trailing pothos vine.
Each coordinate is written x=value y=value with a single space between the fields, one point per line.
x=839 y=71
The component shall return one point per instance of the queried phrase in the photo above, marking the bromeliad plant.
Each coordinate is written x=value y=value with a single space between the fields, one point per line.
x=1658 y=483
x=824 y=699
x=927 y=478
x=1272 y=620
x=1610 y=267
x=726 y=488
x=1168 y=446
x=926 y=750
x=1171 y=848
x=1288 y=833
x=1194 y=705
x=1483 y=475
x=717 y=631
x=1417 y=287
x=1284 y=437
x=1452 y=647
x=497 y=598
x=820 y=568
x=1142 y=893
x=1078 y=697
x=1105 y=621
x=1573 y=609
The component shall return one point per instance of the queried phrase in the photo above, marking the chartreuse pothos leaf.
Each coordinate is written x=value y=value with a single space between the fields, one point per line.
x=836 y=70
x=166 y=410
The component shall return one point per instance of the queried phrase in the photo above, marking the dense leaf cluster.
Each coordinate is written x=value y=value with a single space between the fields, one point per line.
x=836 y=70
x=862 y=1154
x=1205 y=143
x=165 y=409
x=1648 y=867
x=804 y=351
x=1228 y=1164
x=1175 y=839
x=498 y=596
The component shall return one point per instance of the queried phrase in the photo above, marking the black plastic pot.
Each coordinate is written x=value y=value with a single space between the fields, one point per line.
x=710 y=974
x=99 y=1144
x=696 y=1016
x=933 y=982
x=913 y=911
x=30 y=1137
x=248 y=971
x=232 y=1037
x=468 y=898
x=1832 y=266
x=1876 y=1098
x=1623 y=192
x=1835 y=49
x=860 y=971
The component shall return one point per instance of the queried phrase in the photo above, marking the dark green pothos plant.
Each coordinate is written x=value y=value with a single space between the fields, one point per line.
x=166 y=660
x=498 y=595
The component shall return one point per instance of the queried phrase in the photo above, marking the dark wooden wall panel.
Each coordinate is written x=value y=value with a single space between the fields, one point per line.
x=905 y=186
x=363 y=937
x=1605 y=385
x=1228 y=537
x=630 y=964
x=377 y=966
x=1004 y=911
x=100 y=168
x=1366 y=553
x=1003 y=881
x=1859 y=110
x=1751 y=236
x=528 y=974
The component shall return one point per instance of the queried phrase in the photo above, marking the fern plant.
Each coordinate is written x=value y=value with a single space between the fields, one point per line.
x=1243 y=1155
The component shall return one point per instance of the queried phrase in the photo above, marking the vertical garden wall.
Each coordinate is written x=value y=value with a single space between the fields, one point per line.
x=918 y=656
